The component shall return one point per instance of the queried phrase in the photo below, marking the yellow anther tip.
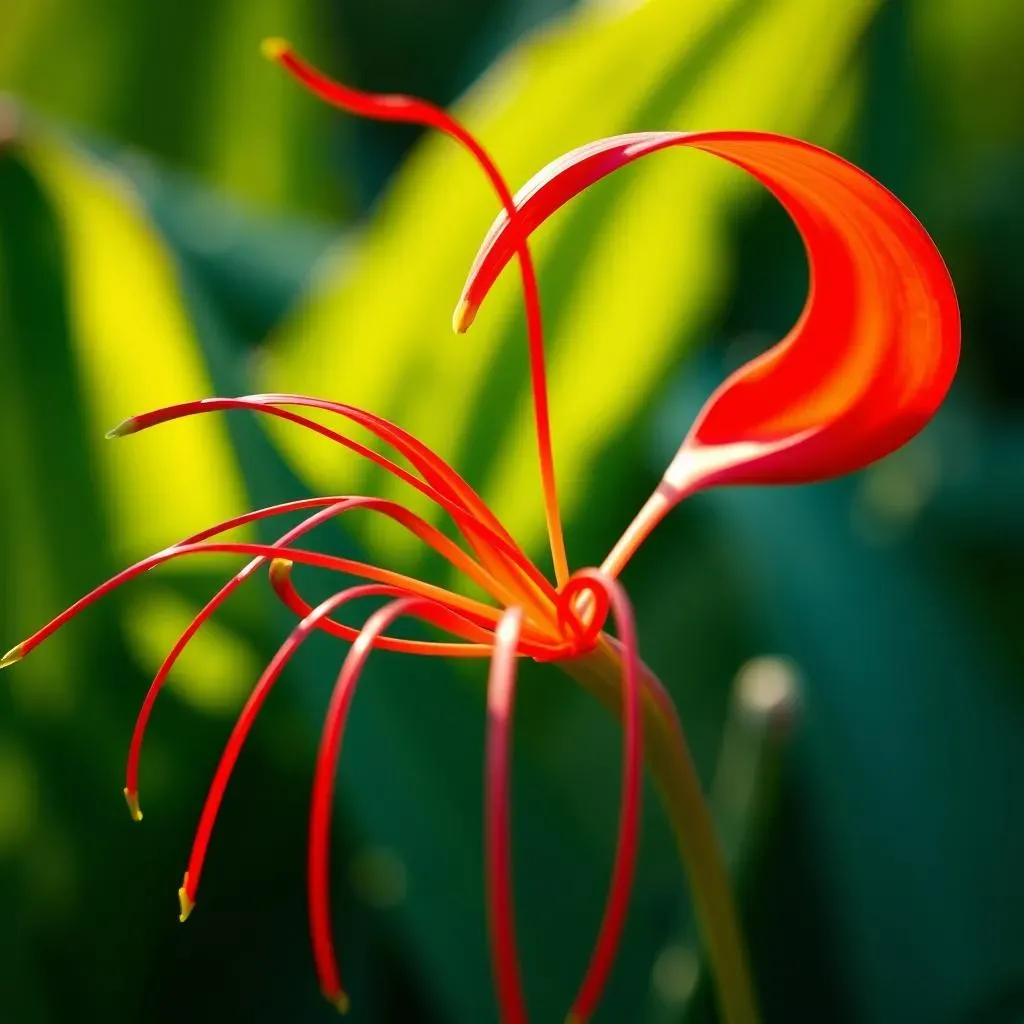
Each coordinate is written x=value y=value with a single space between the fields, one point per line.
x=280 y=568
x=132 y=799
x=123 y=428
x=339 y=1001
x=274 y=47
x=186 y=901
x=463 y=317
x=13 y=655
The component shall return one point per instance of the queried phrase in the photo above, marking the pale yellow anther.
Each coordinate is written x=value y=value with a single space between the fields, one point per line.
x=280 y=570
x=463 y=317
x=132 y=799
x=186 y=901
x=339 y=1001
x=123 y=429
x=274 y=47
x=13 y=655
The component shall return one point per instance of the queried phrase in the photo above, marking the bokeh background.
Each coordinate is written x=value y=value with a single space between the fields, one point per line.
x=177 y=219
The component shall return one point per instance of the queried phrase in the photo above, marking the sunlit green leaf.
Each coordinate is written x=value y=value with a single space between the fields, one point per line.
x=135 y=350
x=183 y=81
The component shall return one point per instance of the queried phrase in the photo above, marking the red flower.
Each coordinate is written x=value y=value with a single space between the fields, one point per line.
x=864 y=368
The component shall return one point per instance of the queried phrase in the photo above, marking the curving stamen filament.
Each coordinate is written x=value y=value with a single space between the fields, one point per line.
x=314 y=558
x=331 y=507
x=441 y=484
x=624 y=867
x=324 y=954
x=410 y=110
x=582 y=611
x=501 y=687
x=472 y=628
x=247 y=718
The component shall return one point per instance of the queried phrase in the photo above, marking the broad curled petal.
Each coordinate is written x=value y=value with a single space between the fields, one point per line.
x=871 y=356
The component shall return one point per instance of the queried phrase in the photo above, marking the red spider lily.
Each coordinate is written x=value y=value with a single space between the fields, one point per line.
x=864 y=368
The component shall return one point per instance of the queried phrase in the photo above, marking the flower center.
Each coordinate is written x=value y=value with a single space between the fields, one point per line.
x=582 y=611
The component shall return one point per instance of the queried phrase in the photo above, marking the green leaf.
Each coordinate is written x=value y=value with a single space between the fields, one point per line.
x=135 y=349
x=117 y=341
x=185 y=82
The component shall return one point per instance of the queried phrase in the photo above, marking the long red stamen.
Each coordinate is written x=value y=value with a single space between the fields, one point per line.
x=131 y=787
x=313 y=558
x=501 y=915
x=476 y=522
x=466 y=625
x=624 y=866
x=433 y=468
x=408 y=109
x=334 y=507
x=324 y=954
x=433 y=537
x=245 y=721
x=539 y=645
x=436 y=474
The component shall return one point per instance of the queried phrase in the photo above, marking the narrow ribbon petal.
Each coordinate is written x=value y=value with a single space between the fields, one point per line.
x=864 y=368
x=501 y=688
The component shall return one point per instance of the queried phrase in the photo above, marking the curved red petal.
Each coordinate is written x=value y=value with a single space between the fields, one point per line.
x=873 y=353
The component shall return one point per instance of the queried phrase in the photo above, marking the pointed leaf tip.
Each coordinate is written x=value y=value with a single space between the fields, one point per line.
x=274 y=47
x=13 y=655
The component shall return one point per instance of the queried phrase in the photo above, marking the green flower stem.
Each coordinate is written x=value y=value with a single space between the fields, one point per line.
x=600 y=672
